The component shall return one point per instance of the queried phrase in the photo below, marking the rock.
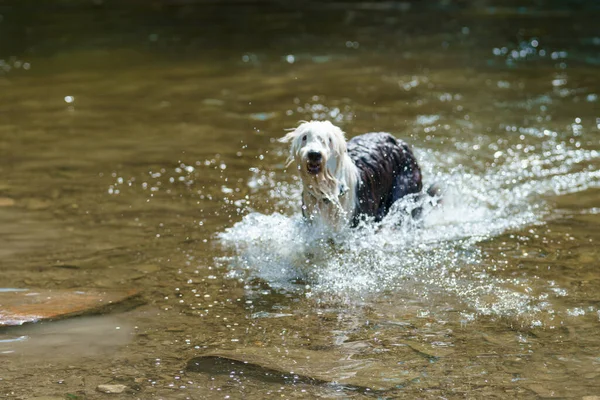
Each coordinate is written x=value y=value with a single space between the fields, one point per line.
x=74 y=381
x=107 y=388
x=541 y=390
x=148 y=268
x=66 y=341
x=47 y=398
x=213 y=102
x=20 y=306
x=37 y=204
x=308 y=366
x=6 y=202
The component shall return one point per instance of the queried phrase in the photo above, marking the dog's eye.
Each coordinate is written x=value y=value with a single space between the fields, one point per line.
x=304 y=138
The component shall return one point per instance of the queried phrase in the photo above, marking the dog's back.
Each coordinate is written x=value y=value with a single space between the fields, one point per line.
x=388 y=171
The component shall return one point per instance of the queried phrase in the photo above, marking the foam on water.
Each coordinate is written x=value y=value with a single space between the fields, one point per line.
x=438 y=255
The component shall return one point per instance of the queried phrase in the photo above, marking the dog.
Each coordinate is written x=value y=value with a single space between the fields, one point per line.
x=346 y=182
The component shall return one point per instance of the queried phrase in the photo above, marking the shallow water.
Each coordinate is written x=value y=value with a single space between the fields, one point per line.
x=139 y=147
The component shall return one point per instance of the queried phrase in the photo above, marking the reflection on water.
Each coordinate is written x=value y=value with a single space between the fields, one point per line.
x=138 y=149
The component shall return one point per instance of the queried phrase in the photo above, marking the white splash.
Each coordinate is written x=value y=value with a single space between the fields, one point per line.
x=436 y=255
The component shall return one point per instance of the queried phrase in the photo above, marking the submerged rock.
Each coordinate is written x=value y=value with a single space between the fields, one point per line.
x=47 y=398
x=20 y=306
x=297 y=365
x=6 y=202
x=111 y=388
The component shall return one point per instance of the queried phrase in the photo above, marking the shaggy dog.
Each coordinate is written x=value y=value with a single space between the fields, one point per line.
x=344 y=182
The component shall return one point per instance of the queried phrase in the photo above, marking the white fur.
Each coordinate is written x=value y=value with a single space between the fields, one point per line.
x=329 y=196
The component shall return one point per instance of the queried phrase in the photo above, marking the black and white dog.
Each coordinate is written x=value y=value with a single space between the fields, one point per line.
x=346 y=181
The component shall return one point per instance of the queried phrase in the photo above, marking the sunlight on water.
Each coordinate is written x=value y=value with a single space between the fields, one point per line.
x=438 y=256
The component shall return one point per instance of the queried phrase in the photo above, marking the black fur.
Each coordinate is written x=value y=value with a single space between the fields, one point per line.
x=388 y=171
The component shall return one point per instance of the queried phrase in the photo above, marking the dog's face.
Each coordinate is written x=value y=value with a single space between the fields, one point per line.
x=316 y=147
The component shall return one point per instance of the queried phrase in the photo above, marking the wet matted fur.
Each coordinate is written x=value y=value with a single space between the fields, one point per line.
x=343 y=181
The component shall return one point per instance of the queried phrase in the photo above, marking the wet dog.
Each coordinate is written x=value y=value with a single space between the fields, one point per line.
x=344 y=182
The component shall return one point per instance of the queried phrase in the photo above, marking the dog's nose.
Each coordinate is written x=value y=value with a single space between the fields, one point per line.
x=314 y=156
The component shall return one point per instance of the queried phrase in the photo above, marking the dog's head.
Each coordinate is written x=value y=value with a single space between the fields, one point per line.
x=317 y=147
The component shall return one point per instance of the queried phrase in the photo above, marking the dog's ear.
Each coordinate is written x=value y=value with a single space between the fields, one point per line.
x=288 y=137
x=293 y=133
x=339 y=142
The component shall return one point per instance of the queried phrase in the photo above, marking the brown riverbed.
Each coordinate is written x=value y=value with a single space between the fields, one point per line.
x=138 y=151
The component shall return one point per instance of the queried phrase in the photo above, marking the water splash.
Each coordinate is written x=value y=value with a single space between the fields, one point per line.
x=439 y=254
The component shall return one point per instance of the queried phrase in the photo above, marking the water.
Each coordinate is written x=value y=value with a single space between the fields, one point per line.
x=138 y=147
x=442 y=252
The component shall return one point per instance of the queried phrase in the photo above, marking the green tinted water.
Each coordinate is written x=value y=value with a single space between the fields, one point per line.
x=138 y=145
